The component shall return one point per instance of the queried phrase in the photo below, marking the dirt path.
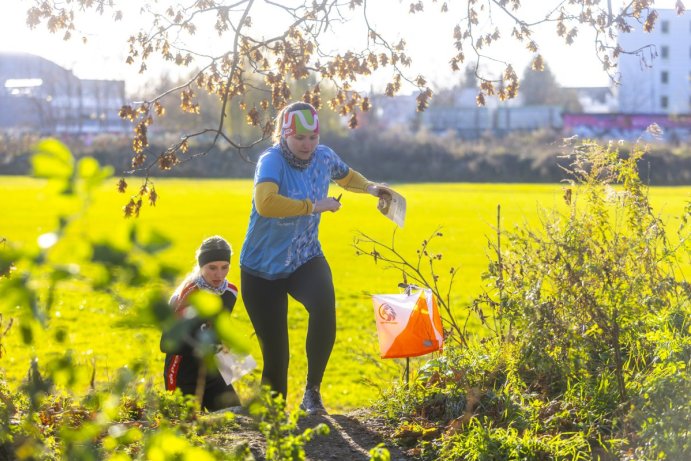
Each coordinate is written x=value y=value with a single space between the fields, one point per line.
x=352 y=436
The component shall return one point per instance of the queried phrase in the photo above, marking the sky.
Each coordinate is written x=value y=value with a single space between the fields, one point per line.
x=104 y=54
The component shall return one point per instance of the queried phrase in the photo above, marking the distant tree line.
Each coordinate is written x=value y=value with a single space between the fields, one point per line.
x=399 y=155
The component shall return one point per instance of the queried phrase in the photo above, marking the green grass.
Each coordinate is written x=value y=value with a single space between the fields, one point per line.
x=104 y=333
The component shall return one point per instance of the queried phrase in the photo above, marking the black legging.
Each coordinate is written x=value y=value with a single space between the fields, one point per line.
x=266 y=302
x=217 y=394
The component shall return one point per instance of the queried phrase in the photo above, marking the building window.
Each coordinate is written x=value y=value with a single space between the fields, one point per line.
x=665 y=27
x=664 y=102
x=664 y=52
x=664 y=76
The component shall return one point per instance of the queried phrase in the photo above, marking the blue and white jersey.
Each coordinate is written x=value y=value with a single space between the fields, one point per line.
x=275 y=247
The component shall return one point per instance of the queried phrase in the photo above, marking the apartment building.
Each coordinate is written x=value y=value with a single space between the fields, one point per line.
x=656 y=77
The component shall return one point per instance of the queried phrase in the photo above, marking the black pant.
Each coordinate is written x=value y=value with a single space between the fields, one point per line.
x=266 y=302
x=217 y=394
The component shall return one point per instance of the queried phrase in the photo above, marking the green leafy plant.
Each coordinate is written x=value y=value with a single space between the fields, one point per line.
x=379 y=453
x=280 y=429
x=61 y=411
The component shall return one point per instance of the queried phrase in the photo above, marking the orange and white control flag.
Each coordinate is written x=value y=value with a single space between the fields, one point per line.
x=408 y=325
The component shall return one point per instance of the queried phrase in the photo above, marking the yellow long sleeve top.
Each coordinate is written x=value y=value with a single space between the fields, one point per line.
x=271 y=204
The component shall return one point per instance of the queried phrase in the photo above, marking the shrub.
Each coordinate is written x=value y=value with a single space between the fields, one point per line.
x=587 y=341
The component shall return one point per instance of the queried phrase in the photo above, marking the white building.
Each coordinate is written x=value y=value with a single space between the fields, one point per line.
x=657 y=79
x=40 y=96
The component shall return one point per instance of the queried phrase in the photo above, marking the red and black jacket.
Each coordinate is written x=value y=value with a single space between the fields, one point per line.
x=178 y=342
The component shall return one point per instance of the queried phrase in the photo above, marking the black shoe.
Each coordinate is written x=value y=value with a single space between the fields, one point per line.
x=312 y=401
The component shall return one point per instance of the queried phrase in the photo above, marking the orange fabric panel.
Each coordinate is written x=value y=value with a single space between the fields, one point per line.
x=408 y=325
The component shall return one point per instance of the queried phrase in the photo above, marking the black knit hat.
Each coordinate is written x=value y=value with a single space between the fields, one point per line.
x=213 y=249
